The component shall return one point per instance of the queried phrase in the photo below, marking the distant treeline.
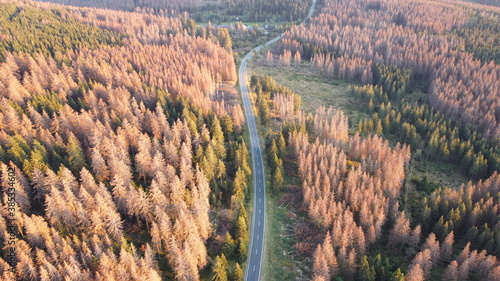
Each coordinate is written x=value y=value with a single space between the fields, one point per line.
x=221 y=11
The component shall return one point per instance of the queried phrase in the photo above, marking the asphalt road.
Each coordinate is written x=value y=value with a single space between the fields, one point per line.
x=254 y=263
x=255 y=253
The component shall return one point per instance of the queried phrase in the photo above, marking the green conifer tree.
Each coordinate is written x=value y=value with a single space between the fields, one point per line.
x=219 y=268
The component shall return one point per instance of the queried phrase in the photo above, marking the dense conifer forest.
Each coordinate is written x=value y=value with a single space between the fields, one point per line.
x=124 y=156
x=215 y=11
x=121 y=141
x=426 y=73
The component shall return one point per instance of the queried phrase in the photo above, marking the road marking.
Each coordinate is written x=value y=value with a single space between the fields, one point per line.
x=254 y=267
x=259 y=211
x=255 y=251
x=258 y=236
x=259 y=223
x=260 y=200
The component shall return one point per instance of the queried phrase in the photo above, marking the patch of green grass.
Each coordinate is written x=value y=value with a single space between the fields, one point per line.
x=314 y=89
x=444 y=174
x=279 y=259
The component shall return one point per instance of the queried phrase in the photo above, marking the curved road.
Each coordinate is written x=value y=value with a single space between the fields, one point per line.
x=254 y=264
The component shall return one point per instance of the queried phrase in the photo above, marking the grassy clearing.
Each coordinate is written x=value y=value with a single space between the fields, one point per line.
x=280 y=262
x=314 y=89
x=445 y=174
